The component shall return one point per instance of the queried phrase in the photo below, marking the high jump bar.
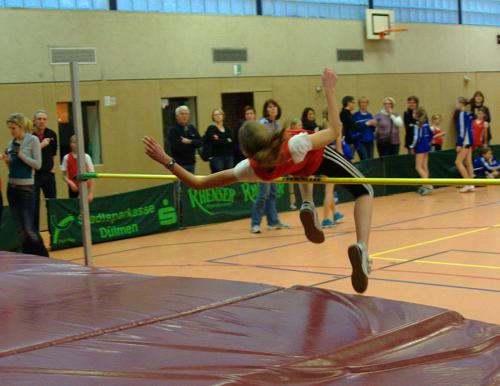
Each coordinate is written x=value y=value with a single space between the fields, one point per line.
x=314 y=180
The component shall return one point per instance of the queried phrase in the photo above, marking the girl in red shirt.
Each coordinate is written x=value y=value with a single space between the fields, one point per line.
x=272 y=155
x=437 y=139
x=479 y=129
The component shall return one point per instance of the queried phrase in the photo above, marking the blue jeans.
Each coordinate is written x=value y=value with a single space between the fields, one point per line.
x=22 y=205
x=266 y=201
x=365 y=150
x=223 y=162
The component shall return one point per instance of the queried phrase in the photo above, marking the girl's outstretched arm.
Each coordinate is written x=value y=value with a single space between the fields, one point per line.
x=156 y=152
x=326 y=136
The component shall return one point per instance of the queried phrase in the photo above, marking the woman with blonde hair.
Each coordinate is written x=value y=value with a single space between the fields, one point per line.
x=23 y=155
x=387 y=129
x=219 y=140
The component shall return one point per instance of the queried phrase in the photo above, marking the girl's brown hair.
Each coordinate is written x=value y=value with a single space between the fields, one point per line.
x=260 y=144
x=21 y=121
x=266 y=105
x=473 y=99
x=421 y=115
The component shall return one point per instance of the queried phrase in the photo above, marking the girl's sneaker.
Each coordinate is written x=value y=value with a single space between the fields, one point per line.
x=327 y=223
x=310 y=222
x=361 y=266
x=337 y=217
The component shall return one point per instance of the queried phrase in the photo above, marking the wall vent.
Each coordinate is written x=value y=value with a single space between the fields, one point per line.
x=350 y=55
x=232 y=55
x=72 y=54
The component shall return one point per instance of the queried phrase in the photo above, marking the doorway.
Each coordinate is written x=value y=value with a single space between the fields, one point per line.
x=233 y=105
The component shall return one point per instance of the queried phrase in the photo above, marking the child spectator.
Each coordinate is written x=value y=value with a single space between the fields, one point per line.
x=463 y=162
x=366 y=124
x=479 y=129
x=69 y=168
x=485 y=164
x=421 y=144
x=437 y=139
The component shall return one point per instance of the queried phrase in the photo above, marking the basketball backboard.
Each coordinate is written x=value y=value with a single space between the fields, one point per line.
x=378 y=21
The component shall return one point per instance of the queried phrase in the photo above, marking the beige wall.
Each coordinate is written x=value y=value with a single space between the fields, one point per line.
x=162 y=45
x=144 y=57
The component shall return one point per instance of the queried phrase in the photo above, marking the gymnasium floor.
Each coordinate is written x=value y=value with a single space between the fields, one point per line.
x=441 y=250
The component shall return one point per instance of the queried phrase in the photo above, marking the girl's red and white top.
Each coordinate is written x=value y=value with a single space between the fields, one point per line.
x=297 y=159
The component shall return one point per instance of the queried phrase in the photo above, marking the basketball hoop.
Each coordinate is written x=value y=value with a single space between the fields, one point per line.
x=382 y=34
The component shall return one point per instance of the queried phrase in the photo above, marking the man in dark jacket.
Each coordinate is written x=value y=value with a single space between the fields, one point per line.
x=45 y=177
x=184 y=139
x=409 y=121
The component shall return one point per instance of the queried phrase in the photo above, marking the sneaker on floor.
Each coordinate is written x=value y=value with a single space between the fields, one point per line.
x=337 y=217
x=279 y=225
x=293 y=207
x=426 y=191
x=420 y=190
x=255 y=229
x=327 y=223
x=472 y=188
x=466 y=189
x=361 y=266
x=310 y=222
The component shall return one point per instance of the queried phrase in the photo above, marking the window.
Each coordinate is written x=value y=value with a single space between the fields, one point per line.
x=225 y=7
x=481 y=12
x=422 y=11
x=328 y=9
x=168 y=107
x=57 y=4
x=91 y=129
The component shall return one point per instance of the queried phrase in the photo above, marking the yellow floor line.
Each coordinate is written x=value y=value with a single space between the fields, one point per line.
x=431 y=241
x=438 y=263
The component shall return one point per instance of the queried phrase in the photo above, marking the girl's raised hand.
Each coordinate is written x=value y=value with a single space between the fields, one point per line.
x=329 y=79
x=155 y=151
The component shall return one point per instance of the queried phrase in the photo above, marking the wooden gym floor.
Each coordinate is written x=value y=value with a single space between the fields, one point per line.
x=441 y=250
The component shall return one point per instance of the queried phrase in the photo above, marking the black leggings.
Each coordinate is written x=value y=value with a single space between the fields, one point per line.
x=335 y=165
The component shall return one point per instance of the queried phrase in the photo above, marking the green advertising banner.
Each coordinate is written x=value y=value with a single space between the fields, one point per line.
x=115 y=217
x=225 y=203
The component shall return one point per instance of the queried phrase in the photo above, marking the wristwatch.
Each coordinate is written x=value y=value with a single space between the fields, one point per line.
x=170 y=164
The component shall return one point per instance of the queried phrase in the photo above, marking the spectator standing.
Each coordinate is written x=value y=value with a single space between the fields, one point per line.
x=23 y=155
x=266 y=199
x=309 y=120
x=45 y=179
x=69 y=168
x=366 y=126
x=184 y=139
x=438 y=134
x=387 y=129
x=463 y=162
x=421 y=144
x=479 y=129
x=219 y=140
x=330 y=215
x=476 y=103
x=350 y=131
x=249 y=116
x=410 y=121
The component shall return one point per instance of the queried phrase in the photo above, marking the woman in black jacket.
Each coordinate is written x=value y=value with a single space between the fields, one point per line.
x=218 y=139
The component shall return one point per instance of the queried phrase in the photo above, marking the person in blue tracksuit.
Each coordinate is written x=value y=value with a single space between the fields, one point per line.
x=463 y=123
x=421 y=144
x=366 y=124
x=485 y=164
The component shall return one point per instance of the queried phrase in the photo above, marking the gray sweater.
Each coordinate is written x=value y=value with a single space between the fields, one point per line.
x=24 y=156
